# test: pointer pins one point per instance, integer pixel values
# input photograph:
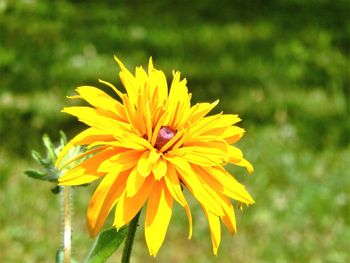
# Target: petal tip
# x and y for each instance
(121, 65)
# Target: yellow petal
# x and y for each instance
(112, 87)
(232, 134)
(87, 136)
(82, 155)
(205, 156)
(135, 182)
(227, 120)
(161, 122)
(212, 188)
(101, 100)
(105, 196)
(209, 144)
(190, 178)
(98, 119)
(78, 178)
(128, 207)
(178, 89)
(141, 76)
(159, 169)
(157, 80)
(120, 162)
(145, 163)
(129, 81)
(200, 110)
(87, 171)
(179, 119)
(246, 164)
(130, 111)
(140, 115)
(130, 140)
(148, 119)
(229, 219)
(174, 187)
(219, 178)
(202, 125)
(215, 230)
(178, 103)
(215, 125)
(235, 154)
(158, 214)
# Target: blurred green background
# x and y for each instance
(283, 66)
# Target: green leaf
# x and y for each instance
(49, 146)
(63, 138)
(51, 175)
(106, 244)
(44, 162)
(35, 174)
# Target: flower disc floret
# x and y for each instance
(165, 134)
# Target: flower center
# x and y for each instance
(165, 134)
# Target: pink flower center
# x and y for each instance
(165, 134)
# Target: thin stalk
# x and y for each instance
(67, 230)
(130, 239)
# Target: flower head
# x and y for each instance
(147, 147)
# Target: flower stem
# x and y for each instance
(67, 231)
(130, 239)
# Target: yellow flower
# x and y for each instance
(147, 147)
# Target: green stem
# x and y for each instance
(130, 239)
(67, 231)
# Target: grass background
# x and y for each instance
(283, 66)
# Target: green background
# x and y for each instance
(283, 66)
